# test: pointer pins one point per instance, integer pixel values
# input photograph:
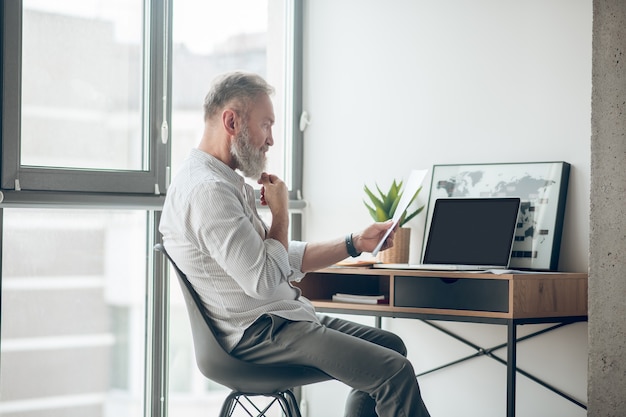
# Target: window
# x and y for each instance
(79, 112)
(88, 87)
(82, 113)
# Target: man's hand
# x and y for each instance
(274, 194)
(367, 240)
(321, 255)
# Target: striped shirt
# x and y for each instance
(212, 230)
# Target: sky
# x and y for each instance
(199, 24)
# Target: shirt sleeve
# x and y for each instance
(219, 221)
(296, 253)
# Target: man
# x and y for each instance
(242, 269)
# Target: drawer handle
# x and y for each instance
(449, 280)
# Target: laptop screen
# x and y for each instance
(472, 231)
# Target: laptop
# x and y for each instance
(468, 234)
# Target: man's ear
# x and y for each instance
(229, 121)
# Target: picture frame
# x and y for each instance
(542, 188)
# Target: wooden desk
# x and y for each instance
(509, 299)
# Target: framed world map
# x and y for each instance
(542, 187)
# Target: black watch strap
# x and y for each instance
(350, 246)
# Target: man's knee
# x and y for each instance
(400, 378)
(396, 343)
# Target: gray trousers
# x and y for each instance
(370, 360)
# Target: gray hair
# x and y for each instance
(237, 88)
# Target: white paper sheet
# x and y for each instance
(411, 185)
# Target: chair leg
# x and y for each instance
(286, 400)
(294, 408)
(229, 404)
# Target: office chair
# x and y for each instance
(245, 379)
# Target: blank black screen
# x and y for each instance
(472, 231)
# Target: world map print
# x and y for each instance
(539, 186)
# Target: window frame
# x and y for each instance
(297, 145)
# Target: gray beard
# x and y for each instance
(250, 161)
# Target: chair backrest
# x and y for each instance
(218, 365)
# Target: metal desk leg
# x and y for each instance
(511, 367)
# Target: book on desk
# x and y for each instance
(360, 299)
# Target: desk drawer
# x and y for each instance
(454, 294)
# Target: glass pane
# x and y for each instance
(73, 313)
(208, 42)
(82, 84)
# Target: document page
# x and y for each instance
(411, 185)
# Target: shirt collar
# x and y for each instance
(217, 165)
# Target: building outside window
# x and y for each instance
(73, 312)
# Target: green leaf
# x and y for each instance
(410, 216)
(375, 200)
(383, 206)
(371, 210)
(377, 210)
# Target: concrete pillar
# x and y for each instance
(607, 254)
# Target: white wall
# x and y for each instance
(396, 85)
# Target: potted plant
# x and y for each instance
(382, 207)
